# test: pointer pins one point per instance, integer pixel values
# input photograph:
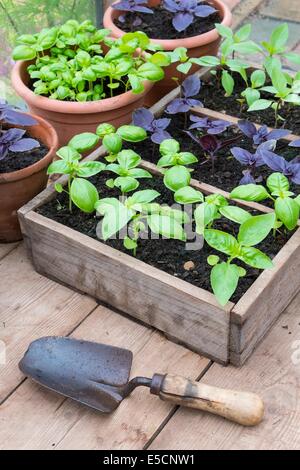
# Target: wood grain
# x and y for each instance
(273, 372)
(32, 306)
(34, 418)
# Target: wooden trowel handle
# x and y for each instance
(243, 408)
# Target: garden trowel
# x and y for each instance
(97, 375)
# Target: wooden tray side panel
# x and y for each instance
(256, 312)
(130, 286)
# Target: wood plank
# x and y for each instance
(34, 418)
(32, 306)
(6, 248)
(195, 318)
(272, 372)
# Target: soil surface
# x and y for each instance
(228, 171)
(159, 25)
(212, 96)
(168, 255)
(15, 161)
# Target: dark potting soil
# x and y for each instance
(212, 96)
(167, 255)
(15, 161)
(159, 25)
(228, 171)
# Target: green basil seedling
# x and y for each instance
(127, 171)
(225, 275)
(138, 211)
(80, 191)
(209, 211)
(112, 139)
(286, 207)
(77, 62)
(177, 176)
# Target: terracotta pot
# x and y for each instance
(19, 187)
(71, 118)
(198, 46)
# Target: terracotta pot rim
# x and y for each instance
(66, 107)
(14, 176)
(171, 44)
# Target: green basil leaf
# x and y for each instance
(287, 210)
(251, 96)
(243, 33)
(116, 216)
(24, 52)
(256, 229)
(132, 133)
(258, 78)
(207, 61)
(84, 195)
(88, 169)
(83, 142)
(126, 184)
(224, 280)
(142, 197)
(177, 214)
(227, 82)
(112, 143)
(60, 167)
(188, 195)
(167, 160)
(166, 226)
(278, 182)
(105, 129)
(139, 173)
(217, 199)
(221, 241)
(247, 47)
(128, 159)
(177, 177)
(186, 158)
(260, 105)
(279, 37)
(136, 84)
(184, 68)
(130, 244)
(250, 192)
(68, 154)
(213, 260)
(150, 71)
(204, 215)
(236, 214)
(169, 147)
(255, 258)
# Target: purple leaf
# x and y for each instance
(177, 106)
(191, 86)
(11, 136)
(247, 178)
(295, 143)
(159, 136)
(295, 160)
(274, 161)
(132, 6)
(209, 143)
(24, 145)
(143, 118)
(162, 123)
(182, 21)
(241, 155)
(204, 10)
(248, 128)
(171, 6)
(294, 171)
(277, 134)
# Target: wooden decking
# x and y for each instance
(32, 306)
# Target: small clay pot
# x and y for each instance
(72, 118)
(198, 46)
(19, 187)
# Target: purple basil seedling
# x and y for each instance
(156, 127)
(295, 143)
(262, 134)
(211, 145)
(12, 139)
(190, 87)
(250, 160)
(210, 127)
(186, 11)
